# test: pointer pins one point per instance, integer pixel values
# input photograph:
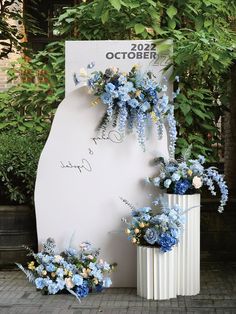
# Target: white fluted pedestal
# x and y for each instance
(156, 273)
(188, 248)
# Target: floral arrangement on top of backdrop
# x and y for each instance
(161, 227)
(187, 176)
(134, 100)
(78, 272)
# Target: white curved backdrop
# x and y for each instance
(81, 177)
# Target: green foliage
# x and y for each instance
(204, 48)
(18, 163)
(26, 112)
(30, 104)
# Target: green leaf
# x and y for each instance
(105, 17)
(116, 4)
(207, 23)
(172, 24)
(158, 30)
(139, 28)
(189, 119)
(171, 11)
(185, 108)
(151, 2)
(198, 23)
(99, 8)
(199, 113)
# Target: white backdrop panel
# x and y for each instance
(80, 179)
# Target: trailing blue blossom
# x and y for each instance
(78, 272)
(138, 98)
(160, 228)
(187, 176)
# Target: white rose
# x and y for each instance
(57, 258)
(197, 182)
(69, 283)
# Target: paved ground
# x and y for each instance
(218, 295)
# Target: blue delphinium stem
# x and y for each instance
(122, 119)
(141, 118)
(172, 132)
(212, 176)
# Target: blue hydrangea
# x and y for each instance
(40, 283)
(60, 272)
(156, 181)
(50, 267)
(106, 98)
(60, 283)
(77, 280)
(133, 103)
(53, 288)
(110, 87)
(99, 287)
(83, 290)
(122, 80)
(145, 106)
(182, 186)
(39, 269)
(175, 176)
(46, 259)
(167, 183)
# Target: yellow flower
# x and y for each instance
(70, 274)
(190, 172)
(133, 240)
(137, 93)
(83, 72)
(136, 230)
(95, 102)
(95, 281)
(127, 231)
(31, 266)
(84, 273)
(141, 224)
(154, 117)
(136, 66)
(44, 272)
(53, 275)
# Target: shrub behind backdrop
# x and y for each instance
(204, 48)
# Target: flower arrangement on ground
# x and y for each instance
(77, 272)
(187, 176)
(134, 100)
(160, 227)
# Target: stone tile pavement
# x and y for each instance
(218, 295)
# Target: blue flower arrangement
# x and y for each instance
(134, 100)
(78, 272)
(160, 227)
(187, 176)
